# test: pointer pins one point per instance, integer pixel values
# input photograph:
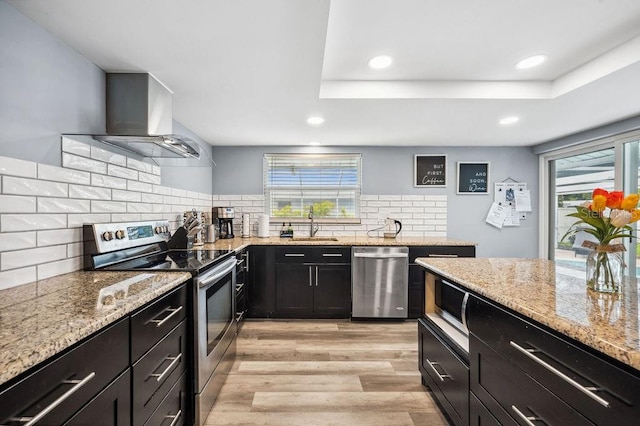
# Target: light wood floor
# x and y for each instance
(307, 372)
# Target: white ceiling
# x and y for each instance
(249, 72)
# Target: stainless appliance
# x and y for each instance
(223, 218)
(392, 228)
(379, 282)
(144, 246)
(446, 309)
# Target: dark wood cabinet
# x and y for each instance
(242, 283)
(313, 282)
(416, 272)
(261, 282)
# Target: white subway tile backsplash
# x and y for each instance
(108, 156)
(176, 192)
(155, 170)
(368, 198)
(48, 270)
(17, 277)
(149, 178)
(62, 205)
(413, 197)
(139, 208)
(151, 198)
(128, 217)
(17, 240)
(163, 190)
(139, 165)
(108, 181)
(82, 163)
(162, 208)
(77, 220)
(31, 222)
(191, 194)
(23, 186)
(122, 172)
(17, 204)
(60, 174)
(133, 185)
(59, 236)
(108, 206)
(74, 249)
(377, 203)
(170, 200)
(76, 147)
(29, 257)
(15, 167)
(89, 192)
(118, 195)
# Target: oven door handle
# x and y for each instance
(208, 279)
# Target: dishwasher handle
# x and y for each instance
(382, 255)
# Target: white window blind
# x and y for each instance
(329, 182)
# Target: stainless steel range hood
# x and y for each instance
(139, 118)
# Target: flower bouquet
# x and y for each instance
(607, 217)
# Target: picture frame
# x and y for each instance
(430, 170)
(472, 177)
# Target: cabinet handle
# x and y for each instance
(586, 390)
(239, 316)
(246, 266)
(442, 255)
(528, 420)
(175, 418)
(331, 254)
(239, 287)
(174, 360)
(239, 262)
(463, 310)
(173, 311)
(28, 421)
(316, 276)
(432, 364)
(294, 255)
(310, 279)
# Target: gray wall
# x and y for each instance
(389, 170)
(48, 89)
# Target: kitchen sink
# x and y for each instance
(314, 239)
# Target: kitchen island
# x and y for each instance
(535, 330)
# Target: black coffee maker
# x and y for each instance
(223, 219)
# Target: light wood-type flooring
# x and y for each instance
(305, 372)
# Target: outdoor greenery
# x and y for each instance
(320, 209)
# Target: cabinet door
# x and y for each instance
(332, 290)
(294, 290)
(112, 407)
(261, 288)
(416, 291)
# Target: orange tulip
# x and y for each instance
(630, 202)
(599, 203)
(635, 216)
(600, 191)
(614, 199)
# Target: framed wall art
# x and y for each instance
(473, 177)
(430, 170)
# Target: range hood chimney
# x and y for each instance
(139, 118)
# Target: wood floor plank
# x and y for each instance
(315, 367)
(311, 419)
(294, 383)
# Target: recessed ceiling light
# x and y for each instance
(315, 143)
(316, 120)
(509, 120)
(530, 62)
(380, 62)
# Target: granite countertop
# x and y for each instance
(240, 243)
(41, 319)
(555, 296)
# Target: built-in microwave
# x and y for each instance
(446, 308)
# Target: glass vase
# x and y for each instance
(605, 270)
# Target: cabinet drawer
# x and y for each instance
(153, 322)
(294, 254)
(330, 254)
(173, 408)
(70, 381)
(157, 372)
(496, 381)
(112, 406)
(599, 390)
(447, 375)
(441, 251)
(479, 414)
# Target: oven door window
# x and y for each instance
(219, 310)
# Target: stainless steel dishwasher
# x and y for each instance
(379, 282)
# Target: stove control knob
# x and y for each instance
(165, 229)
(159, 229)
(120, 234)
(107, 236)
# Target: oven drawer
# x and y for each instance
(156, 373)
(173, 408)
(153, 322)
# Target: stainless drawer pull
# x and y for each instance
(432, 365)
(331, 255)
(310, 279)
(174, 311)
(174, 360)
(28, 421)
(442, 255)
(316, 276)
(239, 287)
(586, 390)
(175, 418)
(527, 420)
(239, 262)
(240, 315)
(294, 255)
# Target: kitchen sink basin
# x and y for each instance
(314, 239)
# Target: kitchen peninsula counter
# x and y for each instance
(554, 296)
(41, 319)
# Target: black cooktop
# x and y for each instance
(192, 261)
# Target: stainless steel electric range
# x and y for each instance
(144, 246)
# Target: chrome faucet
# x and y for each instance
(312, 231)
